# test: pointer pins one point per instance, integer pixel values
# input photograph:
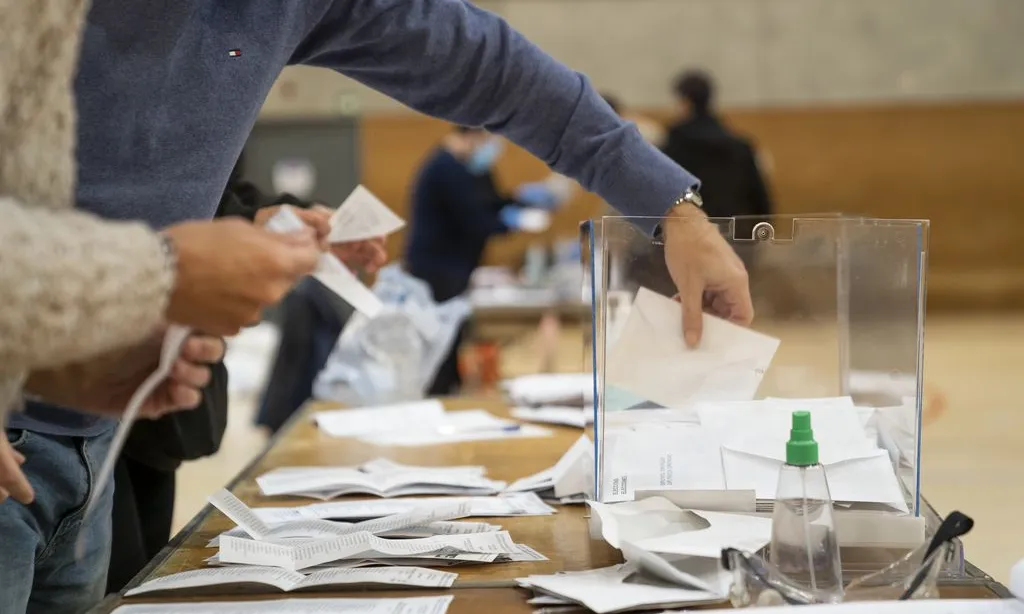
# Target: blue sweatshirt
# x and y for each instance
(454, 213)
(168, 91)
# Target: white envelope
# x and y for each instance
(650, 357)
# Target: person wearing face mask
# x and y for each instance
(456, 209)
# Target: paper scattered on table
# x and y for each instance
(455, 427)
(571, 477)
(383, 418)
(319, 529)
(651, 360)
(363, 216)
(332, 482)
(407, 605)
(552, 414)
(617, 589)
(572, 389)
(174, 339)
(663, 457)
(512, 504)
(330, 271)
(292, 581)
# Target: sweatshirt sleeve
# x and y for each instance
(73, 286)
(455, 61)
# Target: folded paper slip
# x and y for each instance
(288, 581)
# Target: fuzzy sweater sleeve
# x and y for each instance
(73, 285)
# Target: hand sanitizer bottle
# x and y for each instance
(804, 545)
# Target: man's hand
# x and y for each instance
(706, 270)
(229, 270)
(367, 256)
(13, 482)
(317, 217)
(105, 385)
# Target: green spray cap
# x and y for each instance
(801, 449)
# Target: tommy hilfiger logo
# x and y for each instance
(235, 53)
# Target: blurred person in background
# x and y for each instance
(653, 132)
(456, 209)
(731, 182)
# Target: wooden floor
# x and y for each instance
(973, 447)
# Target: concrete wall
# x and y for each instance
(763, 52)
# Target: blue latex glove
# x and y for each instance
(526, 220)
(510, 215)
(537, 194)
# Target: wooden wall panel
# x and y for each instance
(959, 166)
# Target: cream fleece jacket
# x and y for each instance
(71, 285)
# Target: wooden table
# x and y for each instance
(563, 538)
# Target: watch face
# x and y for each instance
(694, 197)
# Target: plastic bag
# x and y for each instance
(395, 355)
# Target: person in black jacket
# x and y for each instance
(456, 209)
(731, 183)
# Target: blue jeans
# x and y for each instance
(39, 572)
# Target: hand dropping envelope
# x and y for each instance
(330, 271)
(650, 357)
(362, 216)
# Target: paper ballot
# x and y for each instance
(615, 589)
(293, 581)
(513, 504)
(921, 606)
(573, 389)
(650, 358)
(174, 338)
(320, 529)
(249, 521)
(408, 605)
(330, 271)
(357, 422)
(553, 414)
(331, 482)
(363, 216)
(304, 554)
(572, 475)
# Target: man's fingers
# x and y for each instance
(184, 397)
(204, 349)
(691, 295)
(18, 456)
(318, 218)
(190, 374)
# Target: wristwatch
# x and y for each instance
(690, 197)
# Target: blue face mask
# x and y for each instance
(483, 157)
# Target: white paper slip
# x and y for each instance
(344, 481)
(551, 389)
(292, 581)
(572, 475)
(356, 422)
(747, 533)
(174, 339)
(650, 358)
(513, 504)
(408, 605)
(384, 465)
(606, 591)
(458, 426)
(305, 554)
(565, 416)
(330, 271)
(242, 515)
(363, 216)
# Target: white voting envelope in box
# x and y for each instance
(837, 323)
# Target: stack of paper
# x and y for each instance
(421, 423)
(569, 481)
(379, 478)
(408, 605)
(571, 389)
(301, 544)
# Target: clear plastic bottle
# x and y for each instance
(804, 544)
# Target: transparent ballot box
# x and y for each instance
(837, 330)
